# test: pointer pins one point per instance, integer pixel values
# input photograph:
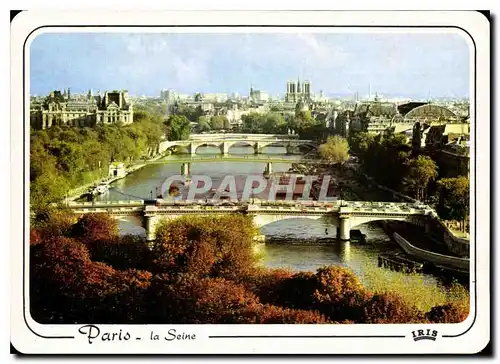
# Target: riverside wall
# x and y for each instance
(434, 226)
(435, 258)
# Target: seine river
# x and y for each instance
(362, 258)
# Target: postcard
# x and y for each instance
(250, 182)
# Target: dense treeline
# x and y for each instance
(273, 122)
(62, 158)
(391, 161)
(199, 270)
(302, 123)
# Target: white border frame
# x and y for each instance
(474, 339)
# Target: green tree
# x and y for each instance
(307, 127)
(360, 142)
(454, 199)
(178, 127)
(203, 125)
(252, 122)
(421, 171)
(335, 150)
(273, 123)
(218, 122)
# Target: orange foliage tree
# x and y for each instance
(339, 294)
(200, 270)
(92, 228)
(219, 246)
(455, 312)
(390, 308)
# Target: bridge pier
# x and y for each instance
(290, 149)
(150, 227)
(224, 148)
(343, 231)
(256, 148)
(268, 170)
(186, 169)
(192, 148)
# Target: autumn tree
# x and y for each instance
(390, 308)
(335, 150)
(92, 228)
(271, 314)
(454, 312)
(219, 246)
(421, 171)
(187, 299)
(339, 294)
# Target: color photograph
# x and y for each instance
(243, 177)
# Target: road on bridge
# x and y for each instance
(232, 158)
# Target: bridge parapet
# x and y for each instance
(107, 203)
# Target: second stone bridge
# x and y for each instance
(346, 216)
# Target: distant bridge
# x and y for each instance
(250, 158)
(242, 136)
(344, 217)
(257, 142)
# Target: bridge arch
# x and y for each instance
(265, 220)
(272, 144)
(356, 221)
(214, 144)
(181, 148)
(240, 143)
(302, 148)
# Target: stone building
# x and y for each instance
(258, 95)
(374, 117)
(295, 91)
(82, 110)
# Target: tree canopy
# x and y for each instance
(453, 198)
(66, 157)
(178, 127)
(335, 150)
(421, 171)
(200, 270)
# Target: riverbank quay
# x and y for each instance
(456, 241)
(424, 247)
(81, 191)
(437, 238)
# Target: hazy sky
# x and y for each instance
(408, 65)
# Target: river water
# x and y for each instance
(362, 258)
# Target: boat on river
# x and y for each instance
(400, 262)
(99, 189)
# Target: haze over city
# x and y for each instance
(396, 65)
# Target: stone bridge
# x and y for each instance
(242, 136)
(345, 217)
(258, 144)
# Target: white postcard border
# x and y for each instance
(31, 337)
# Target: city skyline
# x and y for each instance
(405, 65)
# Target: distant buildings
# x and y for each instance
(296, 91)
(383, 117)
(82, 110)
(258, 95)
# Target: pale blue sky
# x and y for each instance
(408, 65)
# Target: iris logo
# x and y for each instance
(424, 335)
